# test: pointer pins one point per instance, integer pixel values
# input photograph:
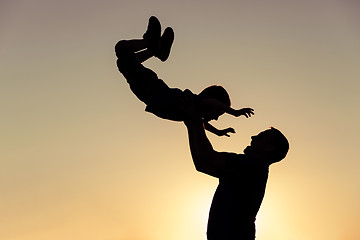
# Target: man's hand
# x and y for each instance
(247, 112)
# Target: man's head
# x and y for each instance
(270, 145)
(217, 93)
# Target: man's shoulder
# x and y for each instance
(235, 160)
(231, 155)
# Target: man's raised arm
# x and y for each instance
(205, 158)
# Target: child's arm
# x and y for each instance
(214, 130)
(247, 112)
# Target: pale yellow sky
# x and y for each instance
(81, 159)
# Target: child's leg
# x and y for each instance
(144, 55)
(131, 53)
(133, 45)
(139, 47)
(142, 48)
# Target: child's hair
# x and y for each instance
(216, 92)
(281, 145)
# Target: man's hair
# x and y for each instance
(281, 144)
(216, 92)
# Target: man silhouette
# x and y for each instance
(242, 177)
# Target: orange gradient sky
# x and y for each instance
(81, 159)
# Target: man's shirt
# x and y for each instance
(237, 199)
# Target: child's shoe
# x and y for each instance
(153, 32)
(166, 42)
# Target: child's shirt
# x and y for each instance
(166, 103)
(160, 99)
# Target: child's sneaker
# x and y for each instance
(166, 42)
(153, 33)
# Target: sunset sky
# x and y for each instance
(81, 159)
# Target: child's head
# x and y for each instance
(218, 93)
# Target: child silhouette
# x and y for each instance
(160, 99)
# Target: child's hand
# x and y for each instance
(247, 112)
(226, 131)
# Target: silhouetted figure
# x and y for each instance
(242, 177)
(161, 100)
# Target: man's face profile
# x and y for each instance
(259, 144)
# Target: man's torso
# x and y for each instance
(237, 199)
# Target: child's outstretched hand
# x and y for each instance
(226, 131)
(247, 112)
